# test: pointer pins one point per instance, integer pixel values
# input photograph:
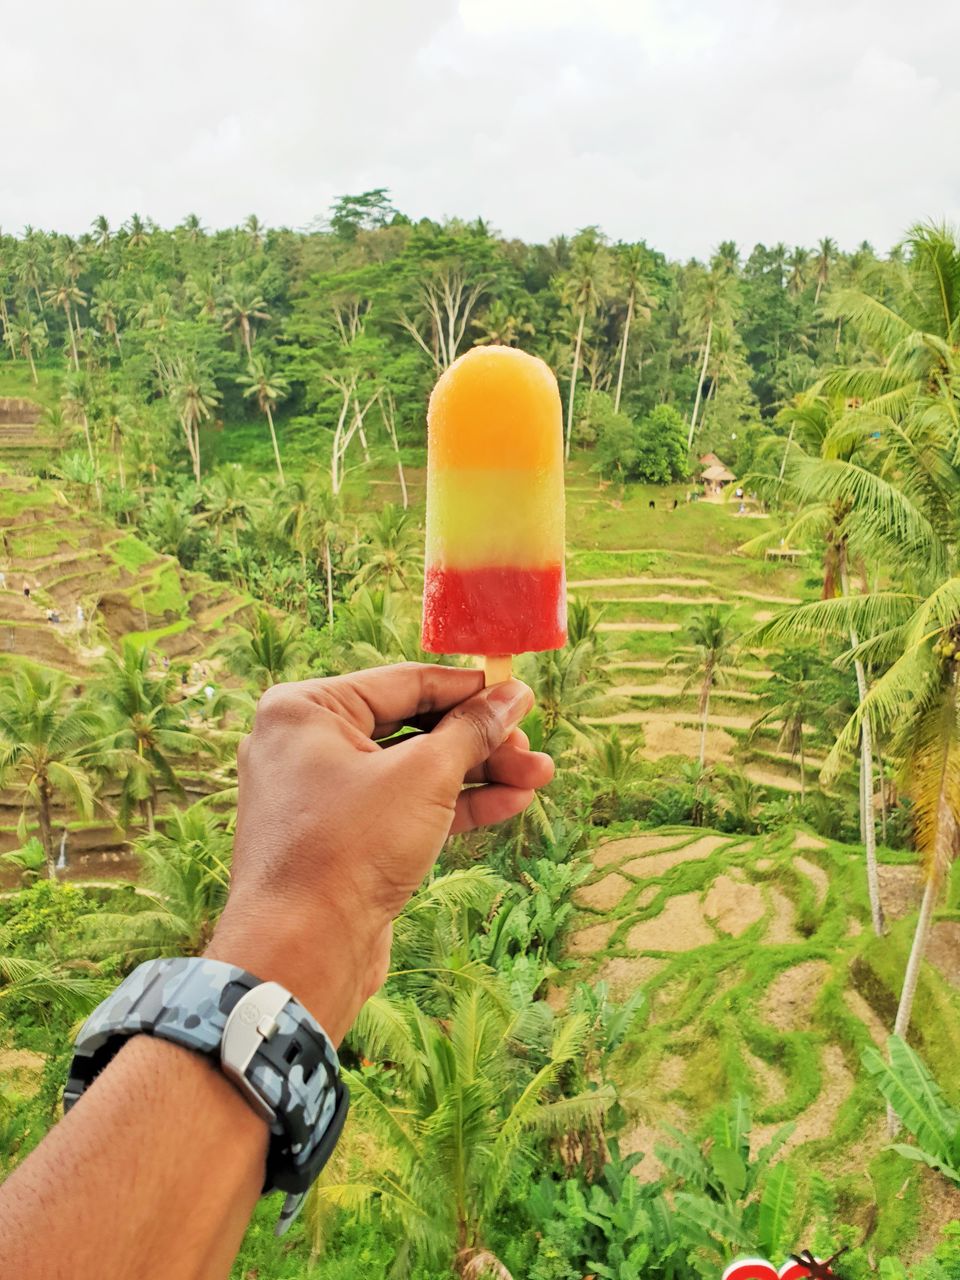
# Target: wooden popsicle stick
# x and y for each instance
(496, 668)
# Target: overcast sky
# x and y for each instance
(683, 122)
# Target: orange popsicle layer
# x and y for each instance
(495, 521)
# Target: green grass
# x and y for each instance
(131, 553)
(165, 594)
(17, 382)
(149, 639)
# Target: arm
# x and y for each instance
(156, 1171)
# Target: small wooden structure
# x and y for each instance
(716, 478)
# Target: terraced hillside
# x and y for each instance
(70, 558)
(761, 976)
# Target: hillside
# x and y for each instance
(761, 976)
(69, 557)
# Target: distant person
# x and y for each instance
(157, 1167)
(3, 581)
(79, 615)
(26, 590)
(676, 503)
(653, 505)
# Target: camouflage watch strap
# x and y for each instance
(288, 1070)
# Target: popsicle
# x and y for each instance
(494, 573)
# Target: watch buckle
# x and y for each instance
(252, 1021)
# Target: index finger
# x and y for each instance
(384, 699)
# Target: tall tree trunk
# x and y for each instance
(836, 343)
(703, 374)
(391, 425)
(786, 453)
(245, 333)
(335, 459)
(7, 329)
(33, 367)
(73, 341)
(883, 797)
(273, 437)
(573, 380)
(623, 351)
(705, 718)
(46, 829)
(866, 763)
(803, 769)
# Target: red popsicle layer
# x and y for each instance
(497, 610)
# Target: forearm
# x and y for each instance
(170, 1159)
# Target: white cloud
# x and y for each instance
(684, 123)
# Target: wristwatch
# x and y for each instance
(266, 1043)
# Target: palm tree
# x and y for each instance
(46, 986)
(74, 400)
(254, 229)
(266, 654)
(709, 629)
(502, 324)
(48, 744)
(137, 232)
(470, 1096)
(185, 875)
(194, 395)
(633, 269)
(798, 264)
(30, 336)
(227, 502)
(709, 307)
(146, 730)
(67, 296)
(312, 517)
(240, 307)
(826, 256)
(106, 309)
(101, 231)
(583, 288)
(268, 389)
(389, 548)
(570, 685)
(797, 695)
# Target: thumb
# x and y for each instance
(472, 731)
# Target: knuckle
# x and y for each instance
(279, 705)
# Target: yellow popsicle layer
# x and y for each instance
(494, 517)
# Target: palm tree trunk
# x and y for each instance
(623, 352)
(73, 341)
(33, 367)
(786, 452)
(803, 770)
(335, 476)
(245, 332)
(46, 829)
(273, 437)
(883, 797)
(7, 331)
(703, 374)
(705, 699)
(868, 819)
(573, 380)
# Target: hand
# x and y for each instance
(335, 831)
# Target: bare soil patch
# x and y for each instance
(733, 905)
(803, 840)
(640, 582)
(616, 850)
(772, 1081)
(816, 875)
(657, 864)
(819, 1118)
(767, 599)
(663, 737)
(901, 889)
(624, 974)
(638, 626)
(866, 1013)
(943, 949)
(680, 926)
(766, 777)
(782, 927)
(593, 939)
(792, 994)
(604, 894)
(940, 1204)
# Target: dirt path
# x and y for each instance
(642, 581)
(638, 626)
(770, 778)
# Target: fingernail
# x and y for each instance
(510, 702)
